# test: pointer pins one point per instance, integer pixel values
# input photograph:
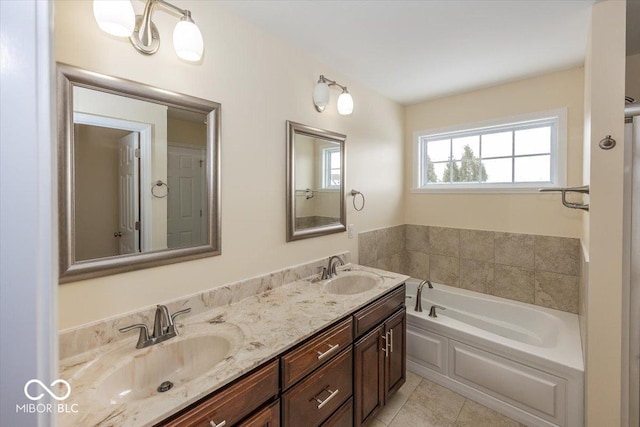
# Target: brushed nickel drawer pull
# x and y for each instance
(222, 424)
(391, 340)
(385, 337)
(326, 353)
(332, 394)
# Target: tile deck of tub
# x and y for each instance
(423, 403)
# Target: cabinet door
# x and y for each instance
(268, 417)
(369, 366)
(396, 367)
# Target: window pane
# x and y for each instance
(438, 169)
(498, 170)
(439, 150)
(469, 145)
(335, 160)
(496, 144)
(533, 169)
(533, 141)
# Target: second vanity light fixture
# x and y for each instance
(116, 17)
(321, 96)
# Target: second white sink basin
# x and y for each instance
(352, 282)
(166, 365)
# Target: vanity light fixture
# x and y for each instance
(321, 96)
(116, 17)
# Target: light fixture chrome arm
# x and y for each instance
(330, 83)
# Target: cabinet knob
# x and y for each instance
(332, 394)
(332, 348)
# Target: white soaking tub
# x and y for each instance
(522, 360)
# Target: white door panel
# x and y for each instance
(128, 194)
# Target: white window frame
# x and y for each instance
(558, 154)
(326, 168)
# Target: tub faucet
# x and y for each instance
(330, 271)
(432, 310)
(419, 294)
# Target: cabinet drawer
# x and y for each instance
(316, 397)
(343, 417)
(268, 417)
(297, 363)
(234, 403)
(375, 313)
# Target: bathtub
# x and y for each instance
(519, 359)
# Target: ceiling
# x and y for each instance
(411, 51)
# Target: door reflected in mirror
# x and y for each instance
(140, 178)
(139, 169)
(315, 182)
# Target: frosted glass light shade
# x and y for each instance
(187, 41)
(321, 96)
(345, 104)
(115, 17)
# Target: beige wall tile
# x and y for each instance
(444, 269)
(417, 265)
(477, 245)
(389, 241)
(367, 248)
(558, 291)
(444, 241)
(557, 255)
(516, 250)
(514, 283)
(417, 238)
(476, 275)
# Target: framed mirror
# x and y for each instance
(138, 175)
(315, 182)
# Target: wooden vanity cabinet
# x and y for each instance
(379, 357)
(326, 381)
(229, 406)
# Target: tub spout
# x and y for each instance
(419, 294)
(432, 310)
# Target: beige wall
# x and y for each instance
(604, 115)
(632, 86)
(119, 107)
(96, 173)
(521, 213)
(186, 132)
(260, 82)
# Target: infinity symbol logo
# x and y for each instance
(51, 393)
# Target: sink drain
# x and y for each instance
(165, 386)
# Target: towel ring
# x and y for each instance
(354, 193)
(159, 183)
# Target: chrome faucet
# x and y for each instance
(419, 294)
(432, 310)
(330, 270)
(163, 327)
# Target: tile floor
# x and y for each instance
(423, 403)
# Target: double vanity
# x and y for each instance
(307, 353)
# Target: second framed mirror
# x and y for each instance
(315, 182)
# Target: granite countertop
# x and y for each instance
(259, 328)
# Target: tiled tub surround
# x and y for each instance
(540, 270)
(268, 323)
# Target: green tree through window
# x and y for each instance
(471, 168)
(431, 172)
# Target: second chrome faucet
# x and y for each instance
(163, 327)
(330, 271)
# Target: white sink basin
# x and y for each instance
(352, 282)
(177, 361)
